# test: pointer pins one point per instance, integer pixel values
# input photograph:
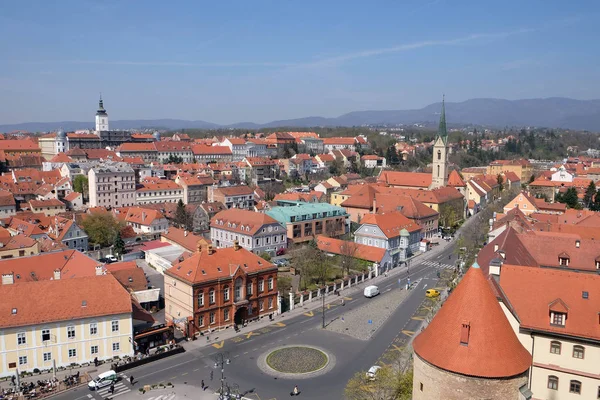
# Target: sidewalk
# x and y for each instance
(228, 333)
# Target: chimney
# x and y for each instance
(374, 206)
(56, 274)
(495, 266)
(99, 270)
(464, 333)
(199, 246)
(236, 245)
(210, 249)
(185, 233)
(577, 243)
(8, 279)
(143, 215)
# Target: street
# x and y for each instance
(351, 355)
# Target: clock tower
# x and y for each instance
(101, 117)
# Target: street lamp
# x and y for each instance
(222, 359)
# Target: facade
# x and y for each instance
(146, 151)
(181, 150)
(555, 316)
(232, 196)
(469, 350)
(67, 232)
(146, 221)
(522, 168)
(49, 207)
(262, 169)
(81, 327)
(339, 143)
(18, 246)
(391, 231)
(194, 187)
(163, 191)
(204, 153)
(8, 205)
(524, 202)
(218, 288)
(255, 232)
(373, 161)
(111, 185)
(305, 221)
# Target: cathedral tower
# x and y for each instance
(101, 117)
(439, 172)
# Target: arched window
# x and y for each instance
(555, 347)
(438, 171)
(439, 155)
(239, 283)
(553, 382)
(578, 352)
(575, 387)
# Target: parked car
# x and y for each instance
(371, 291)
(111, 259)
(104, 379)
(372, 372)
(432, 293)
(280, 252)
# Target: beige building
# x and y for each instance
(522, 168)
(72, 323)
(555, 316)
(163, 191)
(112, 185)
(49, 207)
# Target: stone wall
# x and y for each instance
(439, 384)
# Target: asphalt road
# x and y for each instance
(351, 355)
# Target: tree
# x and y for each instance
(389, 384)
(595, 206)
(447, 216)
(102, 228)
(80, 185)
(183, 219)
(500, 181)
(589, 194)
(569, 198)
(348, 259)
(119, 246)
(173, 159)
(265, 256)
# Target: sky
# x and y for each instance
(234, 61)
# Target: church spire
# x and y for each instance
(442, 131)
(101, 110)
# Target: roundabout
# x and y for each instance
(296, 361)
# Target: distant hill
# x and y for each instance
(554, 112)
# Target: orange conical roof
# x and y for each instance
(470, 334)
(455, 180)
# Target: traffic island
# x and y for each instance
(296, 362)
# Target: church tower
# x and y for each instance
(101, 117)
(439, 174)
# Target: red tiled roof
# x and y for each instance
(134, 160)
(361, 198)
(132, 278)
(221, 264)
(142, 216)
(46, 203)
(470, 335)
(531, 291)
(511, 176)
(311, 197)
(6, 198)
(408, 206)
(163, 184)
(455, 180)
(173, 146)
(410, 179)
(241, 190)
(355, 250)
(339, 141)
(62, 300)
(185, 239)
(203, 149)
(19, 145)
(242, 221)
(71, 263)
(142, 136)
(371, 157)
(325, 157)
(61, 157)
(136, 147)
(390, 223)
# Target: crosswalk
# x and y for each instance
(438, 265)
(169, 396)
(121, 387)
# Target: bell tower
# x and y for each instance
(439, 173)
(101, 117)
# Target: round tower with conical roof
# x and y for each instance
(469, 350)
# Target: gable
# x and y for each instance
(370, 230)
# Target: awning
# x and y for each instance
(145, 334)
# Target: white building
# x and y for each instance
(112, 185)
(146, 221)
(163, 191)
(561, 175)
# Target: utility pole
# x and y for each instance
(323, 298)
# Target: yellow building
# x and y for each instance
(18, 246)
(521, 167)
(69, 321)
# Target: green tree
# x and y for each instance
(569, 198)
(588, 197)
(183, 219)
(265, 256)
(119, 246)
(595, 206)
(80, 185)
(388, 385)
(102, 228)
(173, 159)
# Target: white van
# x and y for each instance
(371, 291)
(104, 379)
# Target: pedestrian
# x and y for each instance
(112, 388)
(131, 380)
(295, 392)
(96, 361)
(202, 384)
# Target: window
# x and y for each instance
(578, 352)
(575, 387)
(72, 353)
(94, 350)
(261, 285)
(226, 293)
(21, 339)
(71, 332)
(226, 314)
(553, 382)
(45, 335)
(558, 319)
(200, 299)
(22, 360)
(270, 283)
(47, 357)
(261, 305)
(115, 326)
(116, 346)
(93, 328)
(270, 303)
(211, 296)
(212, 317)
(249, 288)
(555, 347)
(421, 386)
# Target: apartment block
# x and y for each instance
(112, 185)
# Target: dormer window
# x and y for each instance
(558, 319)
(563, 259)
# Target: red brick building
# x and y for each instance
(217, 288)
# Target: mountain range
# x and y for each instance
(554, 112)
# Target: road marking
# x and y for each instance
(184, 374)
(309, 314)
(347, 298)
(218, 345)
(251, 334)
(237, 339)
(397, 348)
(408, 333)
(197, 369)
(279, 324)
(418, 318)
